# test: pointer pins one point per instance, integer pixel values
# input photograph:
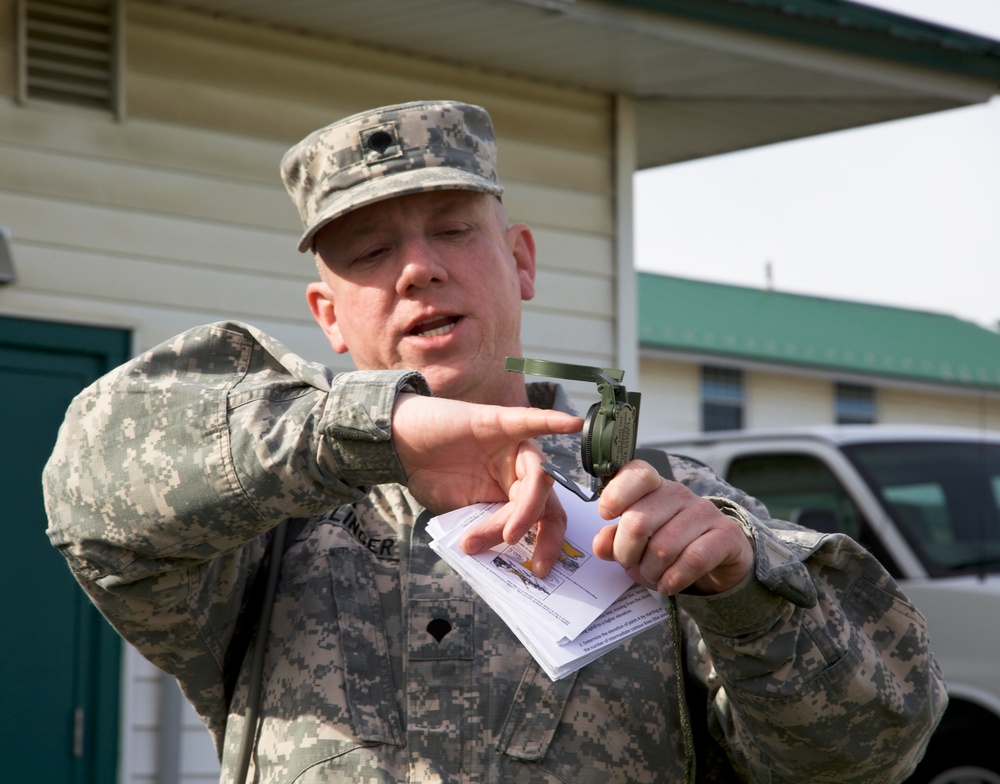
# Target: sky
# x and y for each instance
(905, 213)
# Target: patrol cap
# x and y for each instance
(387, 152)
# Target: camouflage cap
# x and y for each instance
(386, 152)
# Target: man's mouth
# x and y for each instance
(435, 327)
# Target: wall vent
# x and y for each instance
(70, 52)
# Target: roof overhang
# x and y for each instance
(705, 76)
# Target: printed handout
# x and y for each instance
(580, 610)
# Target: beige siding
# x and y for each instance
(929, 408)
(775, 399)
(670, 399)
(141, 740)
(315, 79)
(778, 400)
(139, 737)
(175, 215)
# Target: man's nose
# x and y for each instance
(422, 267)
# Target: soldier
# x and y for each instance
(185, 479)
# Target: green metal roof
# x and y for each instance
(679, 314)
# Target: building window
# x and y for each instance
(854, 404)
(69, 52)
(721, 399)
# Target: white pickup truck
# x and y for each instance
(926, 502)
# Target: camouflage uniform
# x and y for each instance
(170, 474)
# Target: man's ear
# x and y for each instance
(320, 300)
(523, 248)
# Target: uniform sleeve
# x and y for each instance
(169, 473)
(817, 667)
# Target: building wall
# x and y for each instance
(670, 398)
(174, 215)
(671, 403)
(781, 400)
(932, 408)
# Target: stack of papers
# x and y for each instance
(580, 611)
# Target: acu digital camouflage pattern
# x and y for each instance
(391, 151)
(170, 474)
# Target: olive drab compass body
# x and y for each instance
(609, 429)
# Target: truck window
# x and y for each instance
(943, 496)
(802, 489)
(798, 488)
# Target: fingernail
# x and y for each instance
(474, 546)
(541, 567)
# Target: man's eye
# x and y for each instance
(453, 232)
(370, 256)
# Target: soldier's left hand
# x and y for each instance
(669, 539)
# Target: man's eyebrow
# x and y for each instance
(448, 206)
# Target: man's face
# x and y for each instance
(430, 282)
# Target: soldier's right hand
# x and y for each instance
(456, 453)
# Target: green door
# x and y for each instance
(59, 660)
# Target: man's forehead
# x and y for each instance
(432, 205)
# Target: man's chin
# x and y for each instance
(449, 383)
(467, 384)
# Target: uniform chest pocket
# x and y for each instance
(617, 719)
(367, 666)
(535, 714)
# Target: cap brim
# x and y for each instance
(392, 185)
